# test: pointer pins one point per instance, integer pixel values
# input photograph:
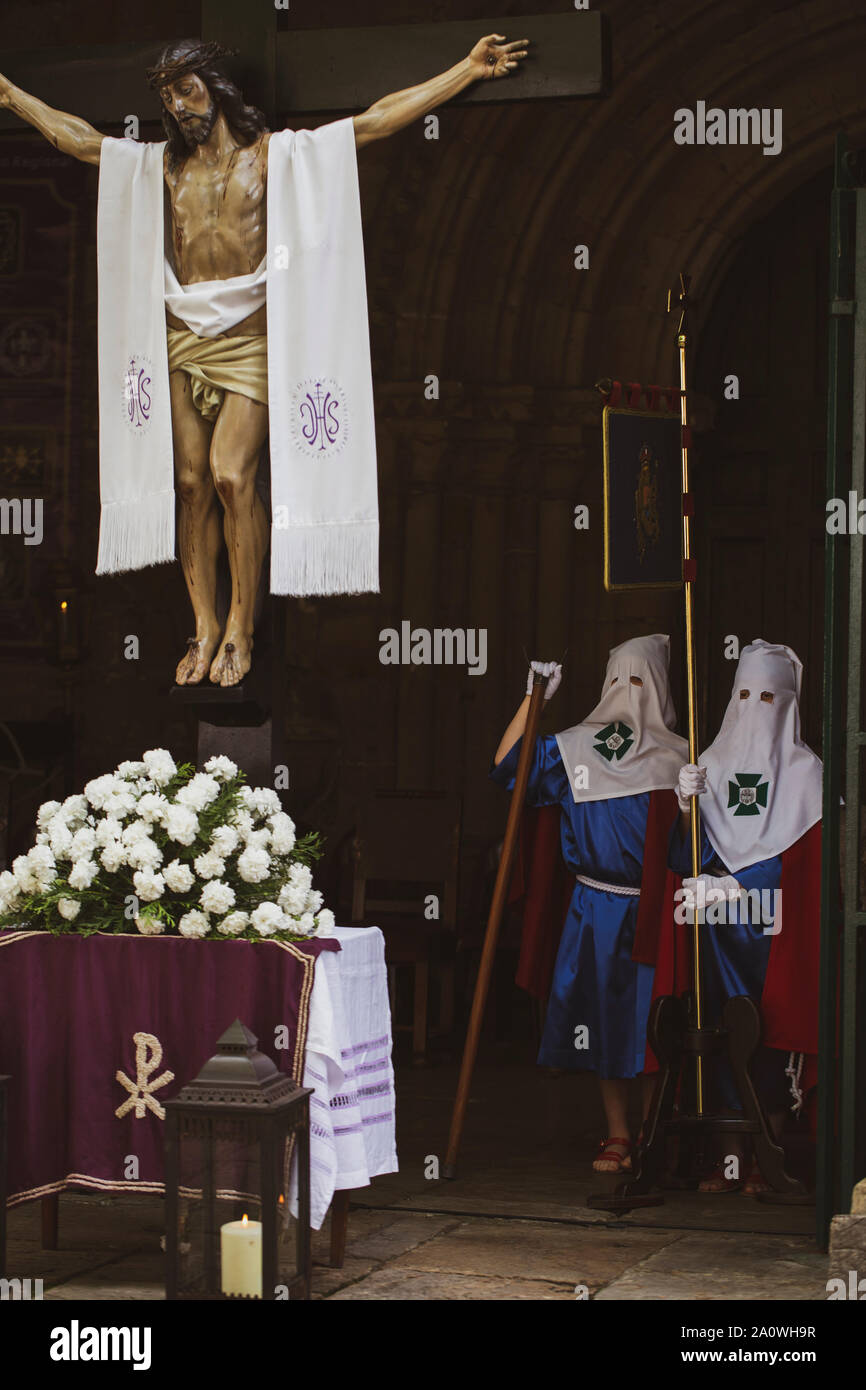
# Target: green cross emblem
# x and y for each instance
(614, 741)
(747, 793)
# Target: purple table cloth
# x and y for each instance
(98, 1032)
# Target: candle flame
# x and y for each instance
(63, 605)
(282, 1200)
(245, 1222)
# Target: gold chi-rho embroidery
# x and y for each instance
(141, 1089)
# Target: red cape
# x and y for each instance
(789, 1003)
(545, 886)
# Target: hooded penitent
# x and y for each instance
(627, 745)
(763, 782)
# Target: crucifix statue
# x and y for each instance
(215, 170)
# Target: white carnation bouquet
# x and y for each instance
(157, 847)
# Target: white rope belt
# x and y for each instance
(619, 888)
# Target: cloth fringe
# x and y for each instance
(137, 533)
(330, 558)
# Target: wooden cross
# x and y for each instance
(319, 70)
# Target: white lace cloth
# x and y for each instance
(348, 1065)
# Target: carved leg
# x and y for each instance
(742, 1022)
(240, 431)
(198, 527)
(50, 1221)
(339, 1227)
(668, 1021)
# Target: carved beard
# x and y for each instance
(198, 132)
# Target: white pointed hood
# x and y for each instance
(764, 785)
(627, 744)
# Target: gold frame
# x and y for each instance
(650, 415)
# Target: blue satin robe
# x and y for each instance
(734, 957)
(595, 982)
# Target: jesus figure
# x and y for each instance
(215, 168)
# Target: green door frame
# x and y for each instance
(840, 1157)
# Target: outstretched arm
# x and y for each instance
(67, 133)
(491, 57)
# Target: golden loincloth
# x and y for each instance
(217, 365)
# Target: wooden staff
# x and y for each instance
(682, 298)
(494, 920)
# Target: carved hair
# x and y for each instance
(191, 57)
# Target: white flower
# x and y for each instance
(264, 800)
(9, 891)
(74, 810)
(325, 922)
(83, 873)
(244, 822)
(268, 919)
(43, 865)
(254, 865)
(135, 831)
(144, 854)
(179, 877)
(68, 908)
(120, 803)
(222, 767)
(46, 813)
(259, 839)
(292, 900)
(301, 877)
(194, 923)
(83, 843)
(109, 828)
(152, 807)
(306, 924)
(148, 886)
(159, 765)
(112, 856)
(234, 924)
(217, 897)
(181, 824)
(314, 900)
(150, 926)
(199, 792)
(23, 873)
(282, 833)
(224, 840)
(130, 769)
(209, 865)
(101, 788)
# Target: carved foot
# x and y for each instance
(232, 661)
(192, 668)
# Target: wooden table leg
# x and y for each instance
(339, 1227)
(50, 1218)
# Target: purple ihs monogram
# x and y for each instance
(137, 394)
(320, 424)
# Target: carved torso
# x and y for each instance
(218, 220)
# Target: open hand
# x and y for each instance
(492, 57)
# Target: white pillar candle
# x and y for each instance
(241, 1257)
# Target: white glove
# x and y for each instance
(552, 670)
(700, 892)
(692, 781)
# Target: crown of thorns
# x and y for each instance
(163, 74)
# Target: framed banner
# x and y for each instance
(642, 499)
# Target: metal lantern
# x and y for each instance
(229, 1137)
